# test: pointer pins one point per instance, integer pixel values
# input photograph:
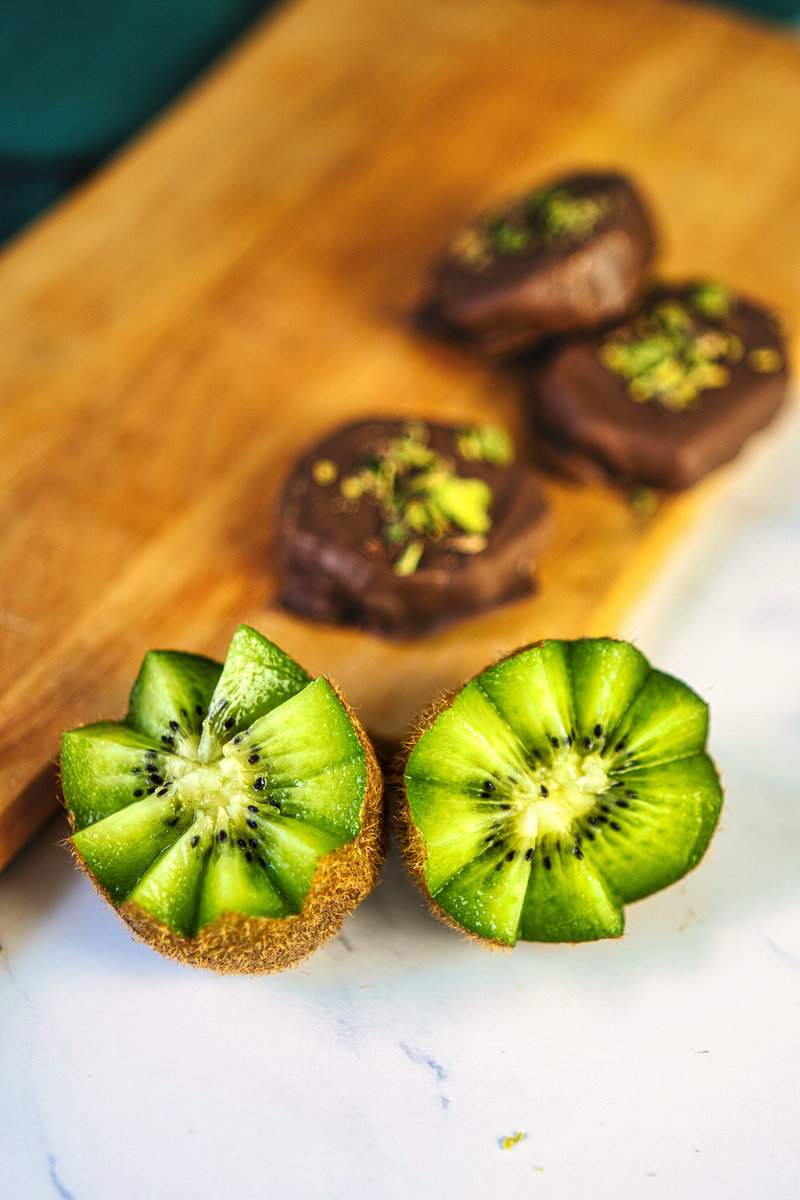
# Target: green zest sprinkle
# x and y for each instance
(666, 356)
(644, 501)
(421, 497)
(711, 300)
(542, 218)
(558, 214)
(488, 443)
(324, 472)
(764, 360)
(465, 502)
(507, 235)
(408, 561)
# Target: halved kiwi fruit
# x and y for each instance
(234, 817)
(558, 785)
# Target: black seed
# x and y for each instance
(228, 724)
(253, 758)
(555, 743)
(154, 778)
(578, 838)
(223, 835)
(484, 795)
(241, 843)
(167, 740)
(543, 791)
(174, 726)
(505, 807)
(252, 823)
(149, 754)
(529, 854)
(598, 731)
(499, 866)
(195, 840)
(617, 783)
(568, 740)
(604, 808)
(184, 713)
(603, 820)
(136, 771)
(252, 842)
(510, 855)
(590, 835)
(488, 786)
(615, 825)
(576, 850)
(511, 779)
(621, 745)
(489, 839)
(261, 863)
(150, 791)
(594, 820)
(276, 804)
(198, 708)
(248, 856)
(558, 847)
(174, 821)
(259, 784)
(252, 808)
(163, 791)
(631, 795)
(237, 739)
(547, 863)
(588, 743)
(622, 804)
(138, 792)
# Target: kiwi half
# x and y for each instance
(234, 817)
(558, 785)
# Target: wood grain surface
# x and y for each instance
(242, 279)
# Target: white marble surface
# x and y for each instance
(395, 1061)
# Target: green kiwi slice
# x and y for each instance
(234, 817)
(558, 785)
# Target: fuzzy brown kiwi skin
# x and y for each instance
(238, 944)
(412, 846)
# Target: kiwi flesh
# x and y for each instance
(234, 818)
(558, 785)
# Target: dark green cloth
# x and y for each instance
(770, 10)
(78, 77)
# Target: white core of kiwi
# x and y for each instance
(548, 801)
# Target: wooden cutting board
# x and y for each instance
(242, 279)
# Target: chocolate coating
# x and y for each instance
(338, 568)
(593, 430)
(568, 284)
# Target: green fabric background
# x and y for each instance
(78, 77)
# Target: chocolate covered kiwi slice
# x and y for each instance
(564, 782)
(234, 817)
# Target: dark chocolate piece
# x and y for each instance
(666, 396)
(565, 258)
(401, 527)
